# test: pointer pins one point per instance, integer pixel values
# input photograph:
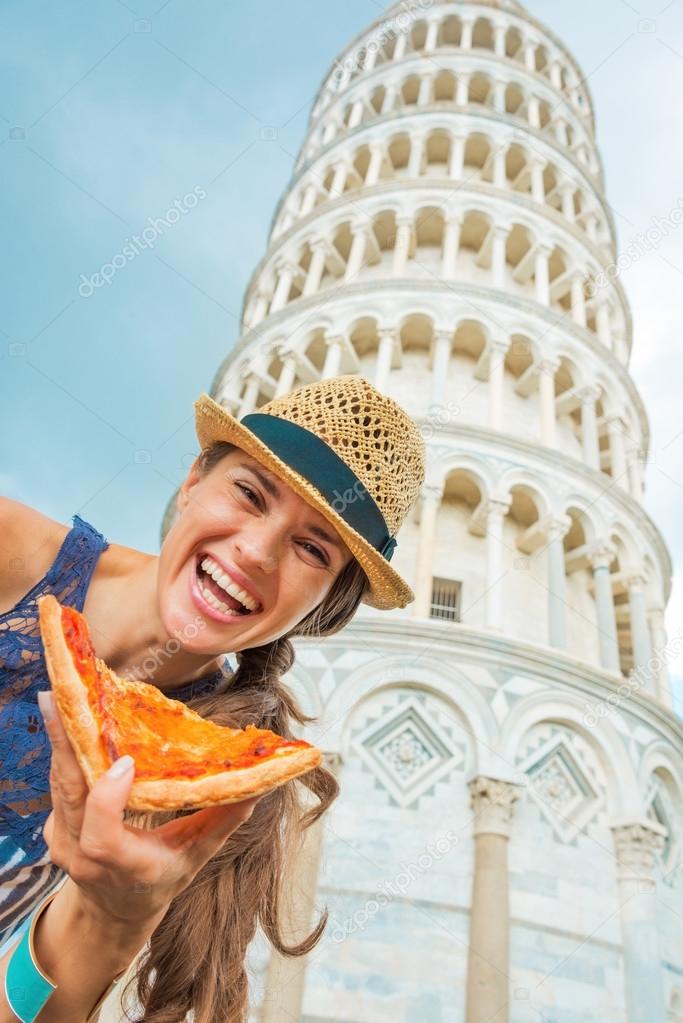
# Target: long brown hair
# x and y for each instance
(196, 956)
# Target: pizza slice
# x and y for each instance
(182, 760)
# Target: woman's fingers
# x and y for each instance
(69, 787)
(103, 835)
(202, 833)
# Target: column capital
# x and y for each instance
(541, 249)
(614, 420)
(556, 527)
(404, 219)
(499, 344)
(656, 613)
(549, 364)
(601, 553)
(637, 844)
(496, 506)
(333, 339)
(636, 580)
(443, 333)
(333, 761)
(588, 394)
(387, 332)
(318, 243)
(432, 492)
(358, 226)
(492, 800)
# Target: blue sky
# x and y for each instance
(111, 112)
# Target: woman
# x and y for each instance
(287, 521)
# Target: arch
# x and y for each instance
(448, 683)
(568, 709)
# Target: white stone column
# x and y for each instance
(637, 845)
(462, 90)
(561, 132)
(568, 209)
(658, 636)
(457, 160)
(600, 557)
(530, 54)
(537, 167)
(248, 400)
(602, 316)
(441, 356)
(385, 352)
(547, 368)
(640, 633)
(499, 91)
(416, 154)
(357, 252)
(534, 112)
(466, 35)
(488, 960)
(498, 254)
(287, 376)
(555, 73)
(430, 499)
(315, 267)
(496, 510)
(285, 979)
(499, 34)
(339, 180)
(390, 95)
(404, 231)
(578, 300)
(424, 95)
(370, 58)
(556, 528)
(284, 283)
(356, 114)
(400, 48)
(589, 427)
(431, 36)
(635, 472)
(375, 164)
(332, 357)
(498, 348)
(615, 432)
(308, 200)
(499, 158)
(451, 244)
(542, 273)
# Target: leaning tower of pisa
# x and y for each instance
(506, 846)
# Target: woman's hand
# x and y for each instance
(126, 874)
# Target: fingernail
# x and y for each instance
(121, 766)
(46, 703)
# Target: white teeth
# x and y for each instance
(215, 602)
(224, 581)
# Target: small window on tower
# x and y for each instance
(445, 599)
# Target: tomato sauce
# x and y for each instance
(165, 738)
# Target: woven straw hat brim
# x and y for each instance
(388, 589)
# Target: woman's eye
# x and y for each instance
(316, 552)
(248, 491)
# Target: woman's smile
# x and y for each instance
(216, 594)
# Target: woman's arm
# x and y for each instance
(121, 880)
(82, 951)
(29, 542)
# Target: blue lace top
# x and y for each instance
(26, 872)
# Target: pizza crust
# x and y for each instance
(71, 695)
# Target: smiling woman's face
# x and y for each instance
(242, 529)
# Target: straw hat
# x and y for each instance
(347, 449)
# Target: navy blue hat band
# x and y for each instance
(317, 462)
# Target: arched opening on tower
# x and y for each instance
(482, 34)
(450, 31)
(444, 87)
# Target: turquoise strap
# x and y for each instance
(26, 987)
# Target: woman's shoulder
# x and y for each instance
(29, 543)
